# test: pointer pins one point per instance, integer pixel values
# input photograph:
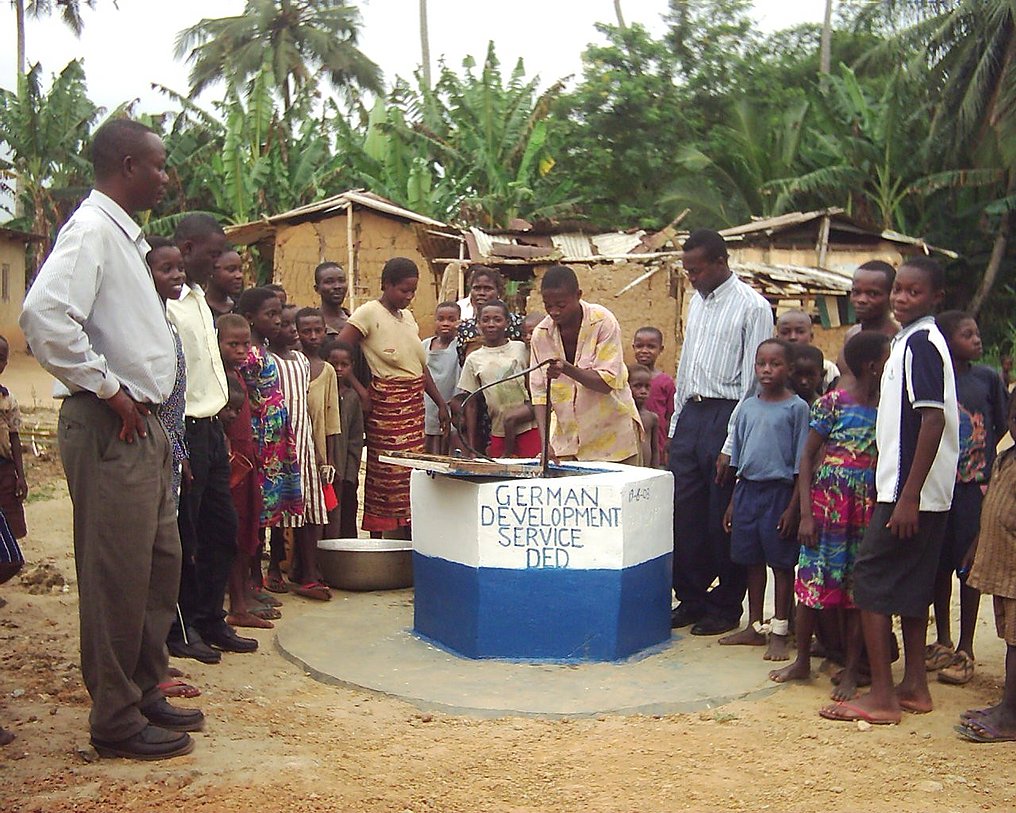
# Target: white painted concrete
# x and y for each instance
(601, 521)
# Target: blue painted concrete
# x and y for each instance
(542, 614)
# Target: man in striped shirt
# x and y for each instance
(727, 320)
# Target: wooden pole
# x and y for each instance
(354, 274)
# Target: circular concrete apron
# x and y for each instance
(366, 640)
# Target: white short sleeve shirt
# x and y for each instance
(918, 375)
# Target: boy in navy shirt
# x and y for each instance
(982, 400)
(917, 432)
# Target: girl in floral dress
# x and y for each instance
(276, 447)
(837, 490)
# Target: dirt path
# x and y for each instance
(278, 741)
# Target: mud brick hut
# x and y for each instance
(13, 281)
(814, 249)
(358, 230)
(798, 260)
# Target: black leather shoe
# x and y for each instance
(225, 638)
(195, 649)
(162, 714)
(151, 742)
(713, 626)
(682, 617)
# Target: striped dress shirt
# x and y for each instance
(724, 329)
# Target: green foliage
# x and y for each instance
(753, 153)
(860, 152)
(617, 134)
(44, 136)
(300, 39)
(475, 147)
(70, 11)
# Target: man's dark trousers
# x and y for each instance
(208, 526)
(701, 546)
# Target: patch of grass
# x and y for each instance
(44, 491)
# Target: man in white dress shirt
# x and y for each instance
(95, 321)
(727, 320)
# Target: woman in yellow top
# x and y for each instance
(594, 414)
(387, 333)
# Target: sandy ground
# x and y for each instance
(278, 741)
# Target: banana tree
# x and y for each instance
(43, 135)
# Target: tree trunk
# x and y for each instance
(825, 51)
(19, 16)
(424, 44)
(620, 16)
(997, 253)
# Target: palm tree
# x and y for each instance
(70, 12)
(757, 149)
(300, 38)
(825, 56)
(970, 48)
(424, 45)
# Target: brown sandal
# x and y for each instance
(937, 656)
(960, 671)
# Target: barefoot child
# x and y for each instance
(294, 374)
(795, 327)
(443, 362)
(224, 283)
(497, 359)
(278, 469)
(648, 345)
(322, 403)
(917, 432)
(244, 483)
(640, 381)
(768, 438)
(837, 493)
(342, 521)
(994, 572)
(982, 403)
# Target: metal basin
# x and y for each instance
(366, 564)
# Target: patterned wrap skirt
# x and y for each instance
(395, 424)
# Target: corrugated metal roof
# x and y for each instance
(573, 245)
(775, 224)
(17, 234)
(613, 243)
(839, 220)
(791, 281)
(569, 244)
(246, 233)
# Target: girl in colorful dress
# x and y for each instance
(275, 445)
(837, 492)
(390, 339)
(294, 373)
(245, 610)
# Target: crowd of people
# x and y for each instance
(205, 427)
